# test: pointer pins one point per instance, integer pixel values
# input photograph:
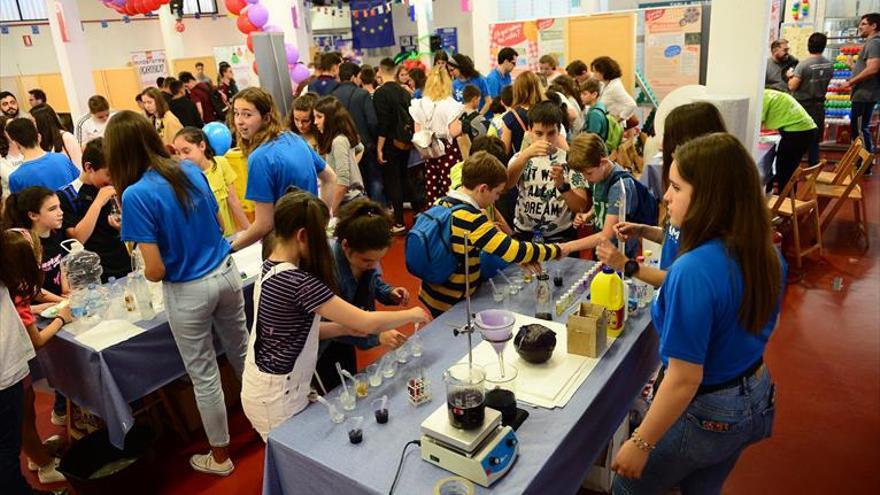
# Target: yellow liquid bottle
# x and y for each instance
(606, 290)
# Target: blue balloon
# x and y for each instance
(219, 137)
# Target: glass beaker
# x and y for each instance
(415, 345)
(374, 371)
(389, 365)
(347, 400)
(361, 385)
(403, 353)
(465, 395)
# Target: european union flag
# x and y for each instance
(371, 24)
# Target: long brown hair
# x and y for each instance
(161, 104)
(20, 204)
(132, 146)
(265, 105)
(20, 268)
(567, 87)
(337, 121)
(301, 210)
(527, 91)
(49, 126)
(728, 203)
(685, 123)
(303, 103)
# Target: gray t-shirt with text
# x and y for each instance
(815, 73)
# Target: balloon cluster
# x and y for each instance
(134, 7)
(254, 18)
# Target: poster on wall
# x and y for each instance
(241, 60)
(150, 64)
(531, 40)
(448, 39)
(672, 48)
(797, 36)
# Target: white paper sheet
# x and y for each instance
(249, 260)
(548, 385)
(108, 333)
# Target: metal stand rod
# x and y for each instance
(467, 294)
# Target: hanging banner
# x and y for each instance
(150, 65)
(241, 60)
(531, 40)
(672, 48)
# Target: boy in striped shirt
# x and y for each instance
(483, 179)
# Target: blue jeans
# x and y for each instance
(192, 307)
(860, 121)
(702, 446)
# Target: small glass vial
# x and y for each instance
(543, 303)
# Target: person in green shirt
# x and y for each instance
(781, 112)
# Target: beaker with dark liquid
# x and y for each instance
(465, 395)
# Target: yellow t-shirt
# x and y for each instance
(220, 177)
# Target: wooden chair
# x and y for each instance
(795, 205)
(835, 195)
(843, 171)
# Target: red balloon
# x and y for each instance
(250, 41)
(244, 25)
(255, 68)
(235, 6)
(180, 26)
(130, 8)
(140, 6)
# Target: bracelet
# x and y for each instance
(640, 442)
(63, 321)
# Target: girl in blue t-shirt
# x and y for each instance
(714, 314)
(295, 290)
(277, 160)
(462, 70)
(683, 124)
(169, 210)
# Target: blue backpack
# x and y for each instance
(646, 205)
(428, 248)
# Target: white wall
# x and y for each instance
(111, 47)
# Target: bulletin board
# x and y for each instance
(179, 65)
(613, 35)
(797, 35)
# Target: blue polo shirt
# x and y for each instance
(496, 82)
(696, 314)
(280, 163)
(190, 239)
(52, 171)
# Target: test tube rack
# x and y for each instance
(576, 290)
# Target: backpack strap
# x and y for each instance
(519, 119)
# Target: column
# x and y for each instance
(281, 14)
(738, 54)
(72, 54)
(171, 39)
(484, 13)
(424, 29)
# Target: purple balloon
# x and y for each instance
(119, 3)
(253, 1)
(292, 53)
(299, 73)
(258, 15)
(272, 28)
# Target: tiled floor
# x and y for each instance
(825, 357)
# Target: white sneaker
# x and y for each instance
(205, 463)
(58, 419)
(48, 474)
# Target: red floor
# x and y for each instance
(825, 358)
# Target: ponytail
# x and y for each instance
(365, 225)
(301, 210)
(18, 205)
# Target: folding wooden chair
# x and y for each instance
(793, 206)
(843, 171)
(835, 195)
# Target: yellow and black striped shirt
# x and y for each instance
(482, 236)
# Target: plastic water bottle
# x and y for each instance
(96, 301)
(83, 269)
(116, 300)
(137, 286)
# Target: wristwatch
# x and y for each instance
(564, 188)
(631, 267)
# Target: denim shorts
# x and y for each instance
(702, 446)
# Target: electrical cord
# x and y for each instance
(400, 463)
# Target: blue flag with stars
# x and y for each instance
(371, 24)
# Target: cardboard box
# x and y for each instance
(587, 330)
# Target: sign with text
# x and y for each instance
(672, 48)
(150, 65)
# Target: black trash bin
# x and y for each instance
(134, 472)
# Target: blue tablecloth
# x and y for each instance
(652, 176)
(105, 382)
(309, 454)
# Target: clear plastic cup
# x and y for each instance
(374, 372)
(361, 385)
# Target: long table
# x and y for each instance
(106, 382)
(309, 454)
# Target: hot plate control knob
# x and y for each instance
(494, 461)
(511, 442)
